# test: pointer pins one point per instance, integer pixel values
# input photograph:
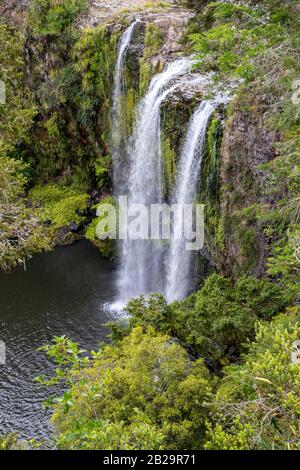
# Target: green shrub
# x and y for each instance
(103, 170)
(233, 38)
(216, 320)
(53, 17)
(61, 205)
(143, 393)
(284, 264)
(257, 404)
(153, 40)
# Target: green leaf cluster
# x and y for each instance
(60, 205)
(257, 405)
(54, 17)
(218, 319)
(145, 393)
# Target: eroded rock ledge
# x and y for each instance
(104, 12)
(171, 21)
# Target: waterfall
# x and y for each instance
(141, 260)
(147, 265)
(117, 110)
(179, 265)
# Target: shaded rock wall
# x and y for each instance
(14, 11)
(235, 239)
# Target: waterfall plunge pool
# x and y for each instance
(62, 292)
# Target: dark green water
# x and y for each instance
(63, 292)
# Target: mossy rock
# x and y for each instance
(175, 116)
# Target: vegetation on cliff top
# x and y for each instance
(20, 233)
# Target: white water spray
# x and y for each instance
(138, 173)
(142, 260)
(179, 264)
(119, 158)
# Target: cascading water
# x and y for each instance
(145, 265)
(141, 260)
(179, 265)
(118, 112)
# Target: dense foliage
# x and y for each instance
(257, 405)
(146, 393)
(70, 75)
(20, 234)
(53, 126)
(217, 320)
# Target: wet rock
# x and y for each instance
(247, 144)
(73, 227)
(95, 195)
(64, 236)
(189, 90)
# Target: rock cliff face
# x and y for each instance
(246, 145)
(171, 21)
(14, 11)
(104, 12)
(232, 186)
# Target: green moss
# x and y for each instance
(106, 247)
(213, 155)
(145, 76)
(220, 238)
(60, 205)
(153, 40)
(169, 158)
(209, 190)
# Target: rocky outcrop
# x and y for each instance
(104, 12)
(240, 245)
(14, 11)
(171, 21)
